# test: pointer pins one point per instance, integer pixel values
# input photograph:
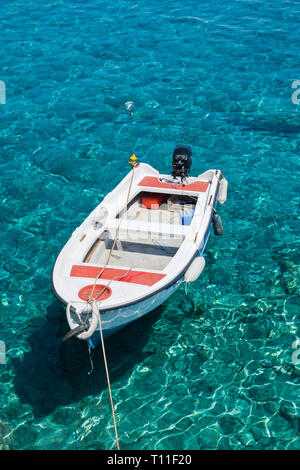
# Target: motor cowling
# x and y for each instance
(182, 160)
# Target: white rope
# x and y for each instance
(91, 297)
(93, 301)
(97, 313)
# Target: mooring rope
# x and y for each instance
(93, 300)
(134, 164)
(96, 310)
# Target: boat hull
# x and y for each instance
(117, 319)
(156, 249)
(114, 320)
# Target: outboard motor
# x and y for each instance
(182, 160)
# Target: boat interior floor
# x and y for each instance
(154, 254)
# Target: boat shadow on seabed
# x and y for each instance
(55, 373)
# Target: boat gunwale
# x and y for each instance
(171, 281)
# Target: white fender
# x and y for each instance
(92, 325)
(222, 197)
(195, 269)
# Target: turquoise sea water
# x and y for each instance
(211, 370)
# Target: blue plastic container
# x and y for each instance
(187, 216)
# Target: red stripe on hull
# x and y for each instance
(153, 182)
(135, 277)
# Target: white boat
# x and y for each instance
(137, 246)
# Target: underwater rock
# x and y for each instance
(295, 424)
(5, 429)
(180, 390)
(288, 410)
(187, 306)
(24, 436)
(184, 423)
(278, 426)
(3, 446)
(266, 376)
(247, 439)
(294, 445)
(201, 354)
(256, 433)
(292, 306)
(260, 393)
(224, 444)
(218, 408)
(290, 277)
(230, 424)
(254, 331)
(65, 415)
(208, 439)
(296, 371)
(234, 442)
(270, 407)
(202, 386)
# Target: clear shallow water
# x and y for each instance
(212, 370)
